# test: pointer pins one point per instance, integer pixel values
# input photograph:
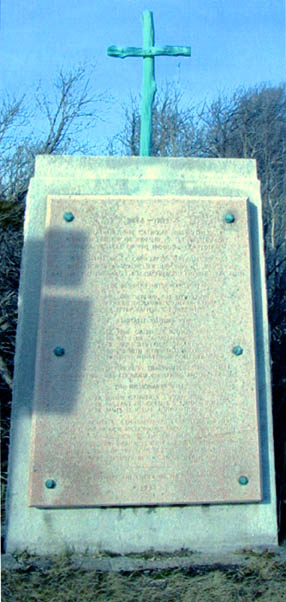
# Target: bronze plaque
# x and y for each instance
(145, 377)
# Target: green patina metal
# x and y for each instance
(237, 350)
(243, 480)
(229, 218)
(68, 216)
(59, 351)
(148, 52)
(50, 484)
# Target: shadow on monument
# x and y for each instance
(57, 322)
(260, 359)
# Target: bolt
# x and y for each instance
(68, 216)
(237, 350)
(50, 484)
(243, 480)
(58, 351)
(229, 218)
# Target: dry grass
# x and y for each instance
(263, 578)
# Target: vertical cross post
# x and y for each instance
(148, 88)
(148, 52)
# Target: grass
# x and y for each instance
(264, 579)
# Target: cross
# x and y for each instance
(148, 52)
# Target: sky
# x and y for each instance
(234, 43)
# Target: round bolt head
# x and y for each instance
(68, 216)
(50, 484)
(243, 480)
(229, 218)
(237, 350)
(58, 351)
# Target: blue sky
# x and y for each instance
(234, 43)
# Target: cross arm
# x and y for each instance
(123, 52)
(148, 53)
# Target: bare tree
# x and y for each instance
(174, 128)
(252, 124)
(63, 117)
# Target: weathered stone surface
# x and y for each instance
(149, 404)
(136, 528)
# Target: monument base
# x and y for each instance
(190, 464)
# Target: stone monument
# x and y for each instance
(142, 401)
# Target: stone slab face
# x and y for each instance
(147, 297)
(147, 421)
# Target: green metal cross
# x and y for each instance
(148, 52)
